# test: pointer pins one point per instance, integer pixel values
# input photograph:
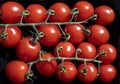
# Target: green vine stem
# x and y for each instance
(93, 17)
(37, 35)
(77, 52)
(30, 73)
(85, 69)
(58, 58)
(68, 58)
(42, 23)
(66, 36)
(49, 12)
(102, 52)
(58, 50)
(3, 34)
(74, 12)
(98, 69)
(24, 14)
(62, 66)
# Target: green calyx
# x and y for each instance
(4, 35)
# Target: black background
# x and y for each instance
(6, 54)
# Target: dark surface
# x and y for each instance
(7, 55)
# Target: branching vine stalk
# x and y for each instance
(40, 34)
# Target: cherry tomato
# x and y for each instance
(62, 12)
(86, 10)
(76, 33)
(68, 73)
(89, 75)
(27, 51)
(110, 55)
(105, 15)
(12, 37)
(51, 35)
(11, 12)
(47, 68)
(107, 73)
(98, 35)
(37, 13)
(16, 71)
(65, 49)
(87, 50)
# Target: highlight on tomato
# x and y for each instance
(16, 71)
(11, 12)
(66, 72)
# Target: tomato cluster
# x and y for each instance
(70, 43)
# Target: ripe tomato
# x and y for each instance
(37, 13)
(51, 35)
(88, 50)
(16, 71)
(66, 49)
(86, 10)
(11, 12)
(68, 74)
(98, 35)
(76, 33)
(13, 36)
(107, 73)
(62, 12)
(27, 51)
(87, 76)
(110, 55)
(47, 68)
(105, 15)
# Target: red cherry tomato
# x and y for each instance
(105, 15)
(14, 35)
(62, 13)
(37, 13)
(11, 12)
(98, 35)
(68, 74)
(88, 50)
(86, 10)
(47, 68)
(110, 55)
(16, 71)
(51, 35)
(66, 49)
(107, 73)
(27, 51)
(87, 76)
(76, 33)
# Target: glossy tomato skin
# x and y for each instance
(88, 50)
(47, 69)
(27, 51)
(90, 75)
(69, 74)
(99, 35)
(107, 73)
(11, 12)
(86, 10)
(110, 55)
(76, 33)
(62, 13)
(14, 35)
(67, 49)
(51, 35)
(105, 15)
(16, 71)
(37, 13)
